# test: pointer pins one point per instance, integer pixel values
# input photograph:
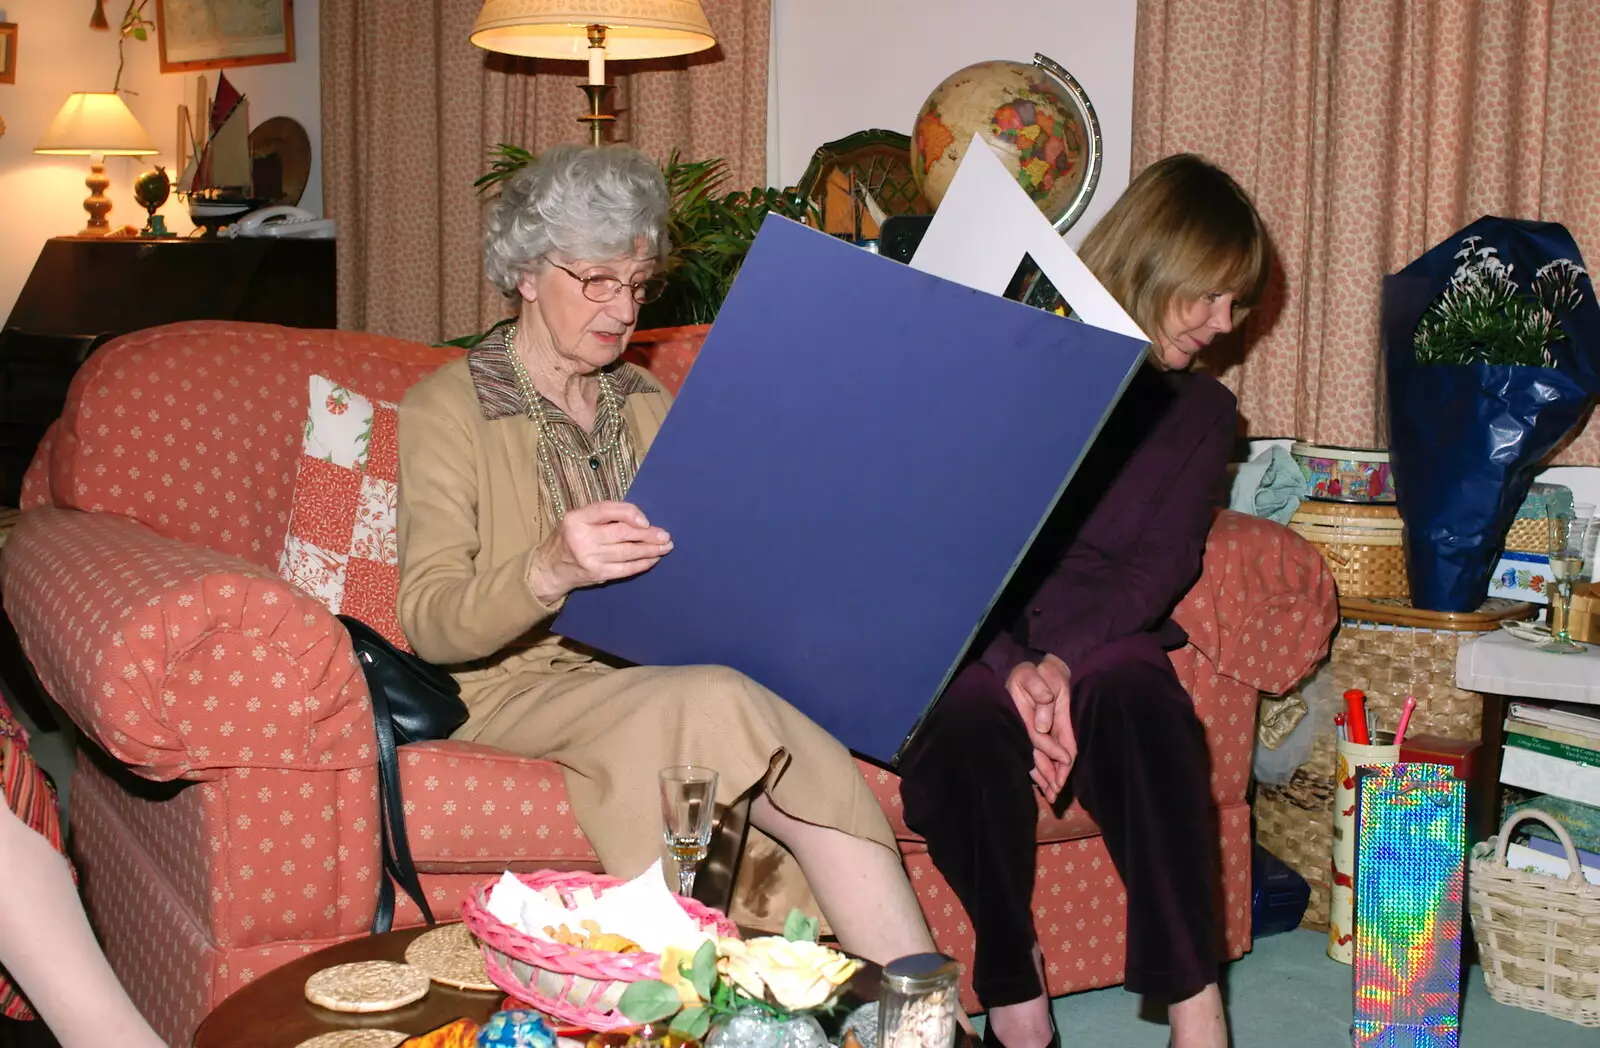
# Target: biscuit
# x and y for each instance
(354, 1039)
(450, 955)
(367, 986)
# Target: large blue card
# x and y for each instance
(856, 463)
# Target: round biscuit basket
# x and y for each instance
(577, 985)
(1538, 935)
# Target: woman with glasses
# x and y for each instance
(514, 470)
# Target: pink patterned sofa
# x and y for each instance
(234, 825)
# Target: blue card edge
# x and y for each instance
(961, 654)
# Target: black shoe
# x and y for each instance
(991, 1041)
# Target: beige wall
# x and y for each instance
(42, 196)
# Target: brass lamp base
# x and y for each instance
(97, 204)
(596, 118)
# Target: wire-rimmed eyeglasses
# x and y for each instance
(604, 287)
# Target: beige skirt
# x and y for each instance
(613, 730)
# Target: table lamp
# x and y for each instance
(96, 124)
(625, 29)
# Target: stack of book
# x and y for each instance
(1555, 750)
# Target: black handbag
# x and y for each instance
(412, 701)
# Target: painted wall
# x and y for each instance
(845, 65)
(42, 196)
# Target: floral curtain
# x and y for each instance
(410, 109)
(1368, 131)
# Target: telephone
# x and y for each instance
(282, 221)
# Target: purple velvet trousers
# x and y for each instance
(1142, 773)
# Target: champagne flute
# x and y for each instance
(688, 808)
(1567, 548)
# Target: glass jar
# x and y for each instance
(917, 1002)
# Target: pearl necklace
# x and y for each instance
(608, 435)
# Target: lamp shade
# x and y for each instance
(559, 28)
(95, 122)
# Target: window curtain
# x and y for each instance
(410, 110)
(1368, 131)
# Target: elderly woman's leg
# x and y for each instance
(46, 945)
(859, 884)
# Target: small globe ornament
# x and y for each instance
(1035, 116)
(150, 191)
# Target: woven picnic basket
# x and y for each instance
(576, 985)
(1361, 543)
(1538, 935)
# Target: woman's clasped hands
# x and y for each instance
(596, 543)
(1042, 692)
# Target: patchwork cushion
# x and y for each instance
(341, 545)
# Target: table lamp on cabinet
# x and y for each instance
(96, 124)
(596, 29)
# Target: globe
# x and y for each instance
(1034, 116)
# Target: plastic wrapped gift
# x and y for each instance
(1410, 861)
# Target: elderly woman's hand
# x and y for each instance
(595, 543)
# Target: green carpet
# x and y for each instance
(1287, 992)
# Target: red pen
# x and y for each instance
(1405, 719)
(1355, 703)
(1338, 726)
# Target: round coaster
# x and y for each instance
(367, 986)
(450, 955)
(355, 1039)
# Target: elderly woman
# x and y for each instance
(1075, 686)
(514, 466)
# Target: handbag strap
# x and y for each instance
(398, 866)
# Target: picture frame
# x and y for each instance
(8, 52)
(221, 34)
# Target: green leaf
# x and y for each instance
(692, 1022)
(139, 34)
(649, 1000)
(797, 927)
(704, 974)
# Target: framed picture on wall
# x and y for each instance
(8, 52)
(217, 34)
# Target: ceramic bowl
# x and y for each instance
(1339, 474)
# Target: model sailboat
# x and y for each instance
(214, 154)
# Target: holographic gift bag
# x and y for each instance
(1411, 844)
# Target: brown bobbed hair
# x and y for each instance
(1182, 230)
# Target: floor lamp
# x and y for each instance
(596, 30)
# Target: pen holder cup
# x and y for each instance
(1349, 757)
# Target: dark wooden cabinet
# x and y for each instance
(84, 291)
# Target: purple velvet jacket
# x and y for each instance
(1126, 540)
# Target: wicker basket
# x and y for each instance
(1361, 543)
(1389, 650)
(579, 986)
(1538, 935)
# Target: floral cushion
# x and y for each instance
(341, 545)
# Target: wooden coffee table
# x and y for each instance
(273, 1012)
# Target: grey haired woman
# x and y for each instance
(514, 467)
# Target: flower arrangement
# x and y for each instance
(780, 976)
(1484, 317)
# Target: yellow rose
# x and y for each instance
(735, 962)
(674, 960)
(800, 975)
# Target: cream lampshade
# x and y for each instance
(96, 124)
(593, 29)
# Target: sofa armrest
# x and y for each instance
(1265, 606)
(177, 659)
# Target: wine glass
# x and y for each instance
(1567, 549)
(688, 808)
